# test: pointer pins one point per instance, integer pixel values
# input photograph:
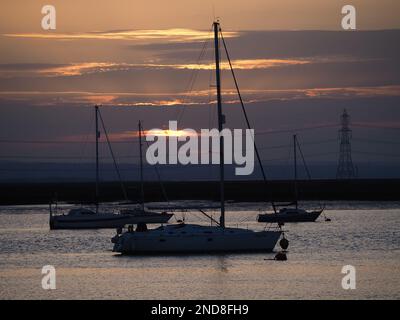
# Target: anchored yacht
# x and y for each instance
(295, 214)
(86, 218)
(187, 238)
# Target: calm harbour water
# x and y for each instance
(363, 234)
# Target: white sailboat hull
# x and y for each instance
(182, 238)
(96, 222)
(196, 239)
(106, 221)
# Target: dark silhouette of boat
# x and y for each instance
(295, 214)
(86, 218)
(191, 238)
(83, 218)
(285, 215)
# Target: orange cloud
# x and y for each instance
(78, 69)
(354, 91)
(246, 64)
(168, 35)
(201, 97)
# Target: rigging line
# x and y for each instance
(210, 217)
(200, 217)
(307, 170)
(192, 79)
(159, 178)
(113, 157)
(212, 111)
(289, 156)
(247, 218)
(85, 143)
(195, 75)
(304, 161)
(194, 71)
(247, 120)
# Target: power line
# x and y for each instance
(17, 141)
(374, 126)
(377, 154)
(61, 141)
(296, 129)
(61, 157)
(375, 141)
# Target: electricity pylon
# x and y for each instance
(345, 169)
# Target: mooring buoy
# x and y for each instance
(281, 256)
(284, 243)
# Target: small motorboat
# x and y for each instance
(290, 215)
(83, 218)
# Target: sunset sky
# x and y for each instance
(297, 70)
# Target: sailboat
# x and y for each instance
(86, 218)
(141, 214)
(192, 238)
(295, 214)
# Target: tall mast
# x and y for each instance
(221, 121)
(96, 111)
(295, 168)
(248, 123)
(141, 166)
